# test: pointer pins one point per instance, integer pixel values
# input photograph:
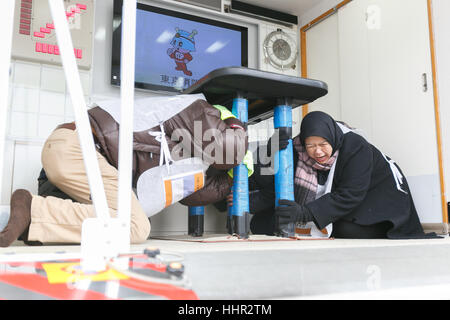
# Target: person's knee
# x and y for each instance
(263, 223)
(54, 173)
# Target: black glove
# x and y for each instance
(291, 211)
(284, 135)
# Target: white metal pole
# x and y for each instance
(80, 109)
(6, 24)
(127, 109)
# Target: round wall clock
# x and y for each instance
(280, 50)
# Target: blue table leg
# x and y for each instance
(196, 221)
(284, 174)
(238, 215)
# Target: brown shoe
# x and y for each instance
(19, 219)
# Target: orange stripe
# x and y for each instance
(198, 181)
(324, 15)
(437, 114)
(306, 231)
(304, 65)
(168, 192)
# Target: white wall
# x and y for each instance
(321, 7)
(38, 102)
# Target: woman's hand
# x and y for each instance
(283, 141)
(291, 211)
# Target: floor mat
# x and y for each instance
(215, 238)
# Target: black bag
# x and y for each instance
(46, 188)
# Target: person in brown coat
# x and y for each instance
(37, 219)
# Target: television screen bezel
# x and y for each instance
(116, 41)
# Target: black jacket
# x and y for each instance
(363, 192)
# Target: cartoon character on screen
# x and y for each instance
(183, 44)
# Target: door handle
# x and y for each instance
(424, 82)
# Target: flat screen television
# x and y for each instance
(175, 49)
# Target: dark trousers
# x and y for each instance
(264, 223)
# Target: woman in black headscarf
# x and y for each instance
(343, 180)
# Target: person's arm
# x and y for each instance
(221, 143)
(216, 188)
(263, 185)
(261, 200)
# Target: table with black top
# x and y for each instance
(252, 96)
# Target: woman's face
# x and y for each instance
(318, 149)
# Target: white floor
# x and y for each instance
(224, 243)
(304, 269)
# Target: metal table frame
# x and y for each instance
(253, 96)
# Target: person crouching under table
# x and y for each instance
(340, 180)
(38, 219)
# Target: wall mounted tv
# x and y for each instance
(175, 49)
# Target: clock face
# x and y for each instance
(280, 50)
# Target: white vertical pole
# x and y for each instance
(80, 110)
(126, 111)
(6, 25)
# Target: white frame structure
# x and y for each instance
(6, 23)
(102, 237)
(127, 109)
(80, 111)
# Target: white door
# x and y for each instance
(322, 56)
(383, 54)
(355, 75)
